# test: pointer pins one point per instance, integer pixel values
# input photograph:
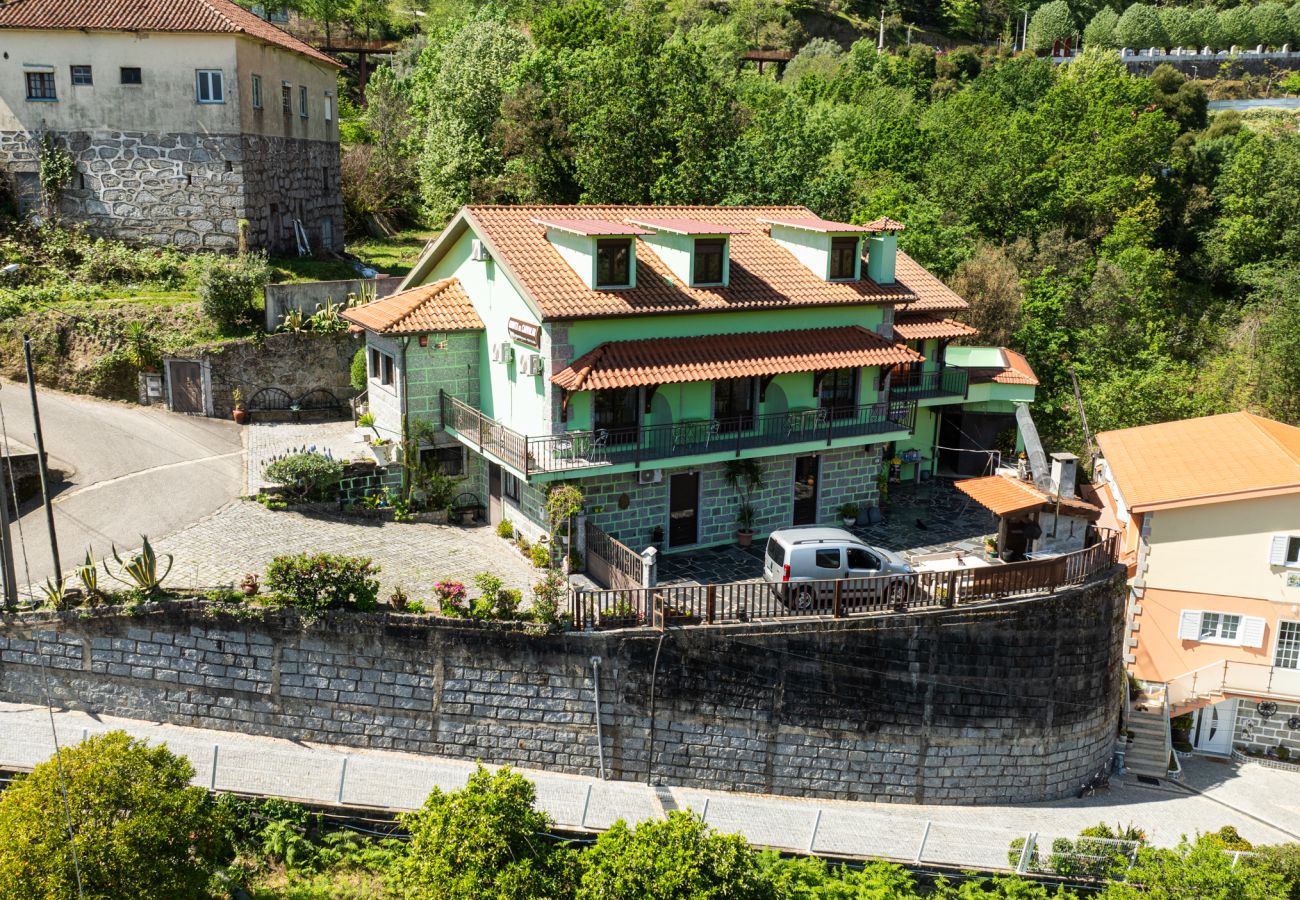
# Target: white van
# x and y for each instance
(800, 564)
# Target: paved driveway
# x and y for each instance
(244, 536)
(130, 470)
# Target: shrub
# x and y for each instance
(359, 372)
(540, 554)
(505, 529)
(307, 476)
(228, 287)
(547, 596)
(142, 831)
(451, 597)
(485, 840)
(324, 581)
(1051, 22)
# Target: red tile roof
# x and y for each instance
(764, 275)
(923, 327)
(590, 227)
(685, 226)
(809, 222)
(884, 223)
(440, 306)
(709, 357)
(1003, 496)
(188, 16)
(932, 295)
(1017, 370)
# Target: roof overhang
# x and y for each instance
(1005, 496)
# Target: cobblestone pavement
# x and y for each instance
(268, 439)
(927, 518)
(244, 536)
(1256, 801)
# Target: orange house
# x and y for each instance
(1209, 510)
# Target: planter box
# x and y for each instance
(382, 454)
(1265, 761)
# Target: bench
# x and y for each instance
(465, 503)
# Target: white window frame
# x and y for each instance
(383, 367)
(511, 487)
(329, 107)
(302, 101)
(1280, 551)
(255, 90)
(216, 87)
(1277, 642)
(1248, 633)
(87, 70)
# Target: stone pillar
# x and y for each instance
(649, 567)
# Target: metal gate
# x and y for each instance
(611, 564)
(185, 386)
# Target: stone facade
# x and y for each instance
(1000, 703)
(191, 190)
(1255, 732)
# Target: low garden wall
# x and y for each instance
(1007, 702)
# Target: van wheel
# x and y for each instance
(897, 595)
(803, 598)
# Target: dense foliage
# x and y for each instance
(308, 475)
(141, 830)
(228, 287)
(1097, 221)
(321, 581)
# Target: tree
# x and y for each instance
(1052, 21)
(1272, 23)
(141, 830)
(1180, 26)
(1139, 27)
(1199, 869)
(819, 58)
(990, 283)
(1237, 27)
(485, 840)
(1100, 32)
(675, 858)
(962, 16)
(1208, 31)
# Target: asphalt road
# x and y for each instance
(130, 470)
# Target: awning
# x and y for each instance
(436, 307)
(711, 357)
(1005, 496)
(921, 327)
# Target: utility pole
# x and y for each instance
(40, 458)
(6, 539)
(1024, 32)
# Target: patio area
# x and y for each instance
(919, 520)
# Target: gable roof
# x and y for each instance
(763, 274)
(713, 356)
(440, 306)
(1233, 456)
(181, 16)
(1003, 495)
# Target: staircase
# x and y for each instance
(1149, 721)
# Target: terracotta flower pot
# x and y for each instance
(240, 416)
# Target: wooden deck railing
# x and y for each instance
(709, 604)
(612, 563)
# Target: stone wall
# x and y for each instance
(1261, 734)
(1008, 703)
(191, 190)
(295, 363)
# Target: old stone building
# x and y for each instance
(183, 117)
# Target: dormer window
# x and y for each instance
(613, 263)
(844, 259)
(710, 256)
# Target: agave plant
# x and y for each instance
(88, 575)
(55, 591)
(141, 570)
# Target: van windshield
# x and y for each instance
(776, 551)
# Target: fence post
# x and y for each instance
(649, 567)
(837, 606)
(343, 774)
(1026, 853)
(212, 784)
(925, 836)
(586, 801)
(712, 597)
(817, 823)
(704, 813)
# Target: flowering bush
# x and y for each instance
(451, 597)
(324, 581)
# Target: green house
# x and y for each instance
(635, 350)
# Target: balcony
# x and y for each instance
(1232, 678)
(946, 383)
(576, 450)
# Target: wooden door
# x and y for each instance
(805, 490)
(494, 494)
(186, 386)
(683, 509)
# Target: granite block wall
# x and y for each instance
(1011, 702)
(1262, 733)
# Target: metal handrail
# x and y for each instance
(949, 381)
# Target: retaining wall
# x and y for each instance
(1001, 703)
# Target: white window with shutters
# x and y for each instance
(1227, 629)
(1284, 550)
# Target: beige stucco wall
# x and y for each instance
(1223, 548)
(1160, 655)
(165, 102)
(276, 67)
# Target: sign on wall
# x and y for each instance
(525, 333)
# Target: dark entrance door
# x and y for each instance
(683, 509)
(187, 386)
(494, 493)
(805, 490)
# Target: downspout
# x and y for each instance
(650, 749)
(600, 741)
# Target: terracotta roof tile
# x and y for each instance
(922, 327)
(1003, 496)
(590, 227)
(808, 222)
(440, 306)
(710, 357)
(1017, 371)
(684, 226)
(884, 223)
(764, 275)
(189, 16)
(1224, 457)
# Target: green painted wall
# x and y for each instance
(927, 423)
(882, 255)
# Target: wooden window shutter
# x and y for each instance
(1189, 625)
(1252, 631)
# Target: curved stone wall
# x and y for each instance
(1000, 703)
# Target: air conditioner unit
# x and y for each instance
(478, 252)
(532, 364)
(650, 476)
(502, 352)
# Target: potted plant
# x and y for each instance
(744, 476)
(239, 414)
(991, 547)
(849, 514)
(621, 614)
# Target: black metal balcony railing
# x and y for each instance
(946, 382)
(572, 450)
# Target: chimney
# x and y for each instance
(882, 251)
(1064, 468)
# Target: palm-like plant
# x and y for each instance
(141, 569)
(744, 476)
